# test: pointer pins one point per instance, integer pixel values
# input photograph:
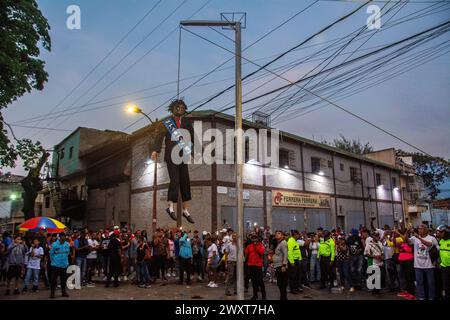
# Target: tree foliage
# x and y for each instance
(23, 32)
(350, 145)
(434, 171)
(23, 29)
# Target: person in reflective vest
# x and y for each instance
(326, 258)
(443, 233)
(294, 258)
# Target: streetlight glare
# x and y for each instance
(13, 197)
(132, 108)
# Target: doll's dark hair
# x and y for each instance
(176, 102)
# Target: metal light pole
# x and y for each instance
(239, 144)
(135, 109)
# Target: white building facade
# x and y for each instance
(320, 186)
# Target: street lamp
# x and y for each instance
(132, 108)
(13, 197)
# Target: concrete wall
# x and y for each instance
(108, 207)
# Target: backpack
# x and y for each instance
(434, 254)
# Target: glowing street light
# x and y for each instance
(13, 197)
(132, 108)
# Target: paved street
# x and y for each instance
(172, 291)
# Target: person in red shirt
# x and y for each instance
(254, 256)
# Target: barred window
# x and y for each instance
(315, 165)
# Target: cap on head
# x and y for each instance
(442, 228)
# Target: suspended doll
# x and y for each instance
(168, 130)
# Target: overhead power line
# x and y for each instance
(123, 58)
(226, 61)
(445, 24)
(288, 51)
(108, 54)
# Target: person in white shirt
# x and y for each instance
(227, 238)
(423, 266)
(230, 250)
(213, 262)
(94, 245)
(34, 254)
(374, 253)
(314, 246)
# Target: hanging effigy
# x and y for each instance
(173, 132)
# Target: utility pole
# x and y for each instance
(236, 25)
(239, 166)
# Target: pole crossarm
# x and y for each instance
(207, 23)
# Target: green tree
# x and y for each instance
(350, 145)
(434, 171)
(23, 30)
(34, 156)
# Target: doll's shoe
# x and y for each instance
(188, 217)
(172, 214)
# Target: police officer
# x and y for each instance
(443, 233)
(294, 258)
(326, 258)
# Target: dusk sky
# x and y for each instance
(415, 105)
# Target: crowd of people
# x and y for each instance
(413, 262)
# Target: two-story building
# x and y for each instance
(77, 160)
(319, 186)
(411, 184)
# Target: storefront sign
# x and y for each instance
(299, 200)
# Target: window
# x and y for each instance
(83, 193)
(47, 202)
(394, 182)
(341, 166)
(75, 192)
(354, 175)
(378, 179)
(61, 153)
(315, 165)
(70, 152)
(247, 151)
(330, 164)
(284, 158)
